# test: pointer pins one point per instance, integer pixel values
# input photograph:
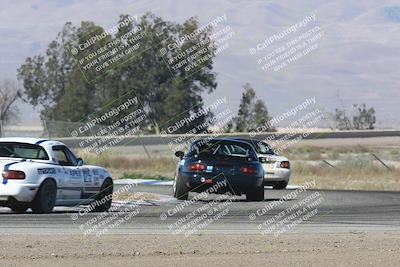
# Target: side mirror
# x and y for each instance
(179, 154)
(262, 159)
(80, 161)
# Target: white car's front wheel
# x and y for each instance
(104, 197)
(19, 209)
(45, 198)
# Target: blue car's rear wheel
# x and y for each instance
(256, 194)
(181, 192)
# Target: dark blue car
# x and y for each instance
(227, 165)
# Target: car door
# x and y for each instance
(87, 180)
(72, 180)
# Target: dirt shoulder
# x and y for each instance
(357, 249)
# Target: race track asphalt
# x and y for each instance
(313, 211)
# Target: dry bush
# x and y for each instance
(316, 155)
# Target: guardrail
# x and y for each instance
(165, 139)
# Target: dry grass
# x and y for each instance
(315, 155)
(124, 167)
(356, 174)
(318, 153)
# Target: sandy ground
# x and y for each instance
(351, 249)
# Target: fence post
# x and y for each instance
(46, 129)
(381, 161)
(327, 163)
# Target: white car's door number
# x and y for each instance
(87, 177)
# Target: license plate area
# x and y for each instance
(269, 166)
(206, 180)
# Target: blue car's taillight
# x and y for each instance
(248, 170)
(197, 167)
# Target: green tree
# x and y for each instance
(261, 116)
(9, 94)
(252, 112)
(245, 111)
(55, 82)
(44, 77)
(342, 121)
(364, 119)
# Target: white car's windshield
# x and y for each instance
(22, 150)
(263, 148)
(260, 147)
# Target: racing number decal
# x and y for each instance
(87, 177)
(75, 174)
(46, 171)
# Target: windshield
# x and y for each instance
(221, 149)
(263, 148)
(22, 150)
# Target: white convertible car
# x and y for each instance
(40, 174)
(276, 168)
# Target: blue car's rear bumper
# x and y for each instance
(237, 184)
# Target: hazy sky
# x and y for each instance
(357, 59)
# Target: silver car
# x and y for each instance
(276, 168)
